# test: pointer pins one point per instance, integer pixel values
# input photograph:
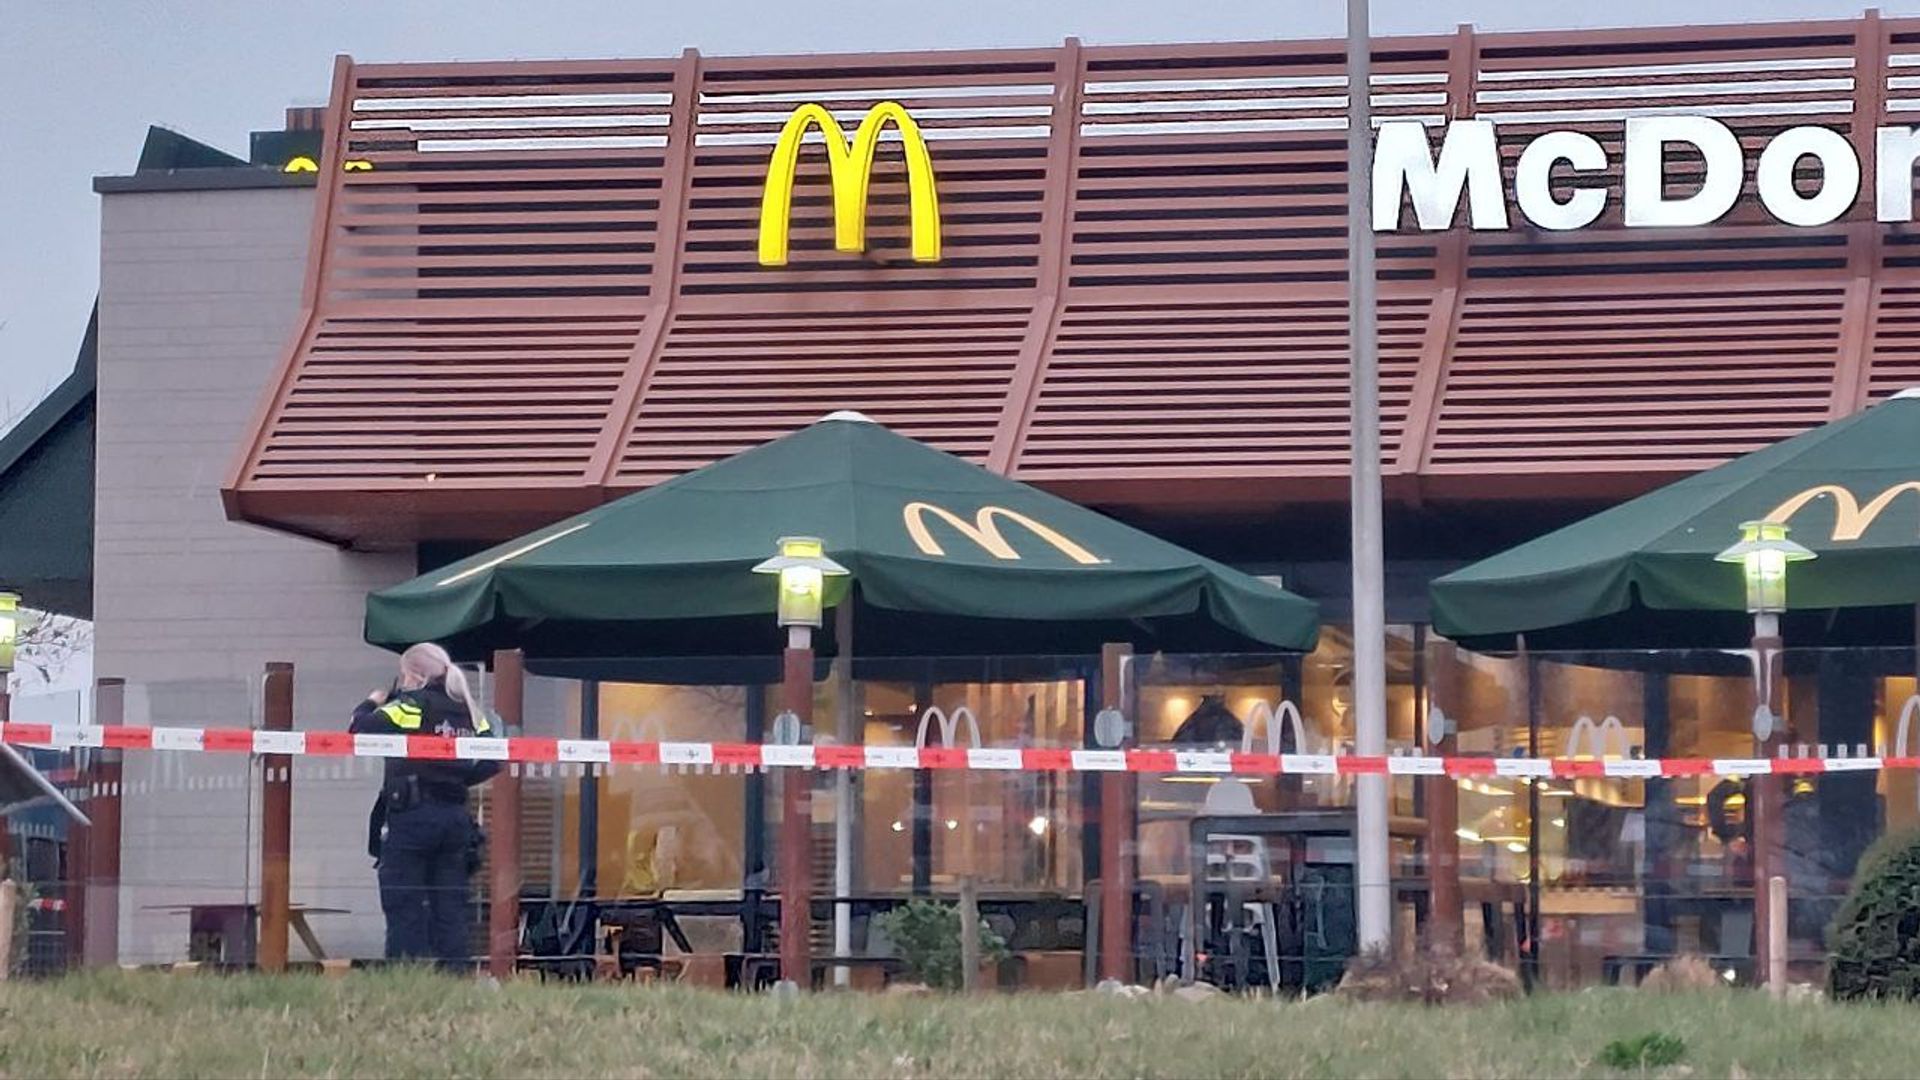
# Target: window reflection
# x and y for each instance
(1009, 831)
(1622, 868)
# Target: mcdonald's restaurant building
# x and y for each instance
(465, 300)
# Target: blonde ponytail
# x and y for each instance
(427, 661)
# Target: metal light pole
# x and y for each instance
(803, 568)
(1763, 554)
(1374, 902)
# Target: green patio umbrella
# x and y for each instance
(1849, 491)
(947, 558)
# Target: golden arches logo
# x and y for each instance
(850, 168)
(1850, 519)
(984, 530)
(303, 164)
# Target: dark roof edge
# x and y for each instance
(167, 149)
(202, 180)
(72, 392)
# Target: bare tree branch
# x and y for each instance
(48, 647)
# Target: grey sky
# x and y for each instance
(80, 80)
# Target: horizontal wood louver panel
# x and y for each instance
(546, 285)
(486, 266)
(538, 181)
(1226, 165)
(1251, 388)
(446, 399)
(726, 382)
(1674, 380)
(1895, 362)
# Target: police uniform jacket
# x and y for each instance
(429, 710)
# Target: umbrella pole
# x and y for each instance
(1530, 964)
(1117, 809)
(1765, 800)
(843, 793)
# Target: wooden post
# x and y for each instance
(77, 869)
(276, 823)
(100, 945)
(1777, 936)
(1116, 835)
(503, 823)
(6, 829)
(796, 822)
(9, 905)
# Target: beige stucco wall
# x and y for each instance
(199, 292)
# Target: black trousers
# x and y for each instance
(423, 884)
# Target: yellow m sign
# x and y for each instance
(850, 166)
(1850, 519)
(984, 530)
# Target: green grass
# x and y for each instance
(406, 1025)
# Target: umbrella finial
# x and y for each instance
(848, 415)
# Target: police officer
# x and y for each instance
(424, 852)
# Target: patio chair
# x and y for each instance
(559, 938)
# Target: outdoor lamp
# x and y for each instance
(803, 567)
(1763, 554)
(13, 623)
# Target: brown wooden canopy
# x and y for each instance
(543, 293)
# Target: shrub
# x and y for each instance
(1683, 975)
(1650, 1051)
(1432, 975)
(926, 935)
(1874, 943)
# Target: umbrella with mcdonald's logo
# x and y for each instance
(1645, 573)
(947, 559)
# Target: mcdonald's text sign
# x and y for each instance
(1406, 170)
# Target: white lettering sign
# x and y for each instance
(1406, 171)
(1839, 175)
(1895, 149)
(1646, 201)
(1532, 180)
(1469, 158)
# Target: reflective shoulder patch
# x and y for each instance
(405, 715)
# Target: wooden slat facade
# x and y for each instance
(544, 293)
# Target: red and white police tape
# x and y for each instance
(339, 744)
